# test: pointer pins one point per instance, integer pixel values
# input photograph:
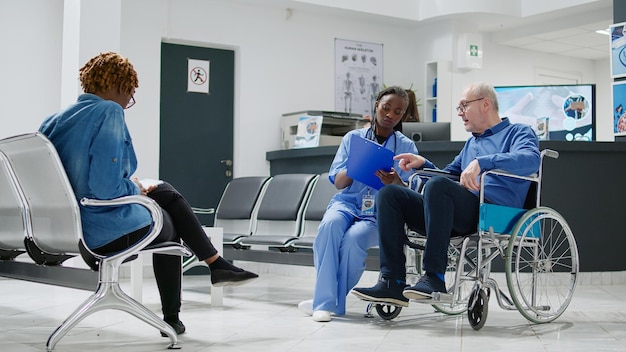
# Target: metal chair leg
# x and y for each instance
(109, 295)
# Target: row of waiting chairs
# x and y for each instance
(40, 215)
(281, 211)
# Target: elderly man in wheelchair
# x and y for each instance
(491, 175)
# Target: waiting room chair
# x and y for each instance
(13, 229)
(280, 214)
(55, 228)
(236, 211)
(322, 193)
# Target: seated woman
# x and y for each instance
(348, 227)
(94, 144)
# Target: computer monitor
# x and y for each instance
(427, 131)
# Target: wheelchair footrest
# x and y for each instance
(442, 297)
(437, 297)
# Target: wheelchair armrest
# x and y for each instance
(496, 172)
(149, 204)
(550, 153)
(428, 173)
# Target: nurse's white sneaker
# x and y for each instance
(306, 307)
(321, 316)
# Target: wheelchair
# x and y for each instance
(537, 246)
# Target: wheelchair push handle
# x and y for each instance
(550, 153)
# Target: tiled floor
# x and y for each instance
(263, 316)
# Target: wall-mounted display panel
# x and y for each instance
(555, 112)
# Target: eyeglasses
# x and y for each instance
(131, 102)
(463, 106)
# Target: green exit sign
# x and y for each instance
(473, 49)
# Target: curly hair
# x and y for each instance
(108, 70)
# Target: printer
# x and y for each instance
(334, 126)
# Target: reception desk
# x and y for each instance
(584, 184)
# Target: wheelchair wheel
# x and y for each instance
(478, 309)
(387, 311)
(541, 265)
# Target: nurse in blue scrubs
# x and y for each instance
(348, 227)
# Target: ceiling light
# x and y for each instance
(603, 31)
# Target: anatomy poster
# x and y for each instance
(358, 76)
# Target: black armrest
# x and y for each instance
(426, 172)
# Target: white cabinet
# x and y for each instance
(439, 99)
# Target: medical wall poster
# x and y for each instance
(358, 75)
(618, 50)
(198, 76)
(619, 108)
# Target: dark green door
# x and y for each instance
(196, 141)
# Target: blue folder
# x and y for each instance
(365, 158)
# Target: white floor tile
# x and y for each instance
(263, 316)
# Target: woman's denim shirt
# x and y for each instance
(94, 144)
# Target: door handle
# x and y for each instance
(228, 164)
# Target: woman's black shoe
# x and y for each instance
(222, 277)
(177, 326)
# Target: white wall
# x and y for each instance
(143, 22)
(282, 65)
(30, 63)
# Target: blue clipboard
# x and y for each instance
(365, 158)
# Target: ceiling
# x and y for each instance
(568, 29)
(581, 41)
(569, 33)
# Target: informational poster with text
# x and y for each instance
(358, 76)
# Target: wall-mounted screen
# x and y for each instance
(619, 108)
(555, 112)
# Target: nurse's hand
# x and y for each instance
(390, 177)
